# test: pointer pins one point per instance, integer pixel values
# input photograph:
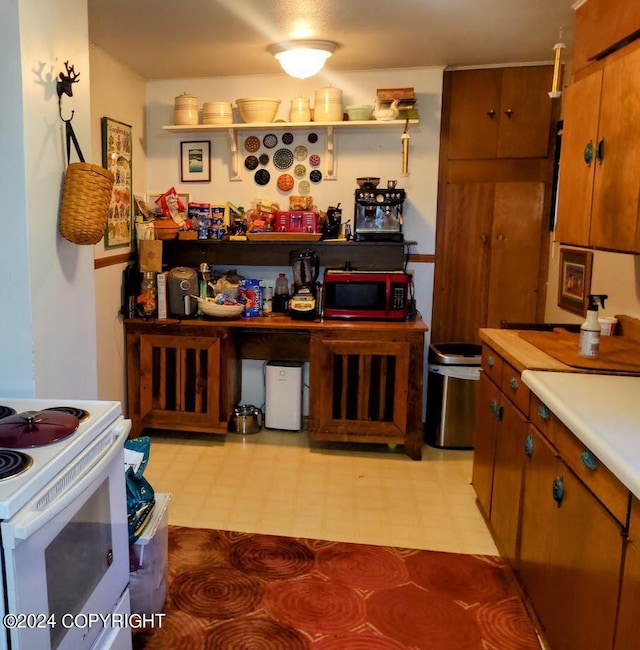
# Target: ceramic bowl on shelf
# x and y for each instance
(365, 182)
(362, 112)
(257, 109)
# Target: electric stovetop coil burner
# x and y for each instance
(13, 462)
(6, 411)
(79, 413)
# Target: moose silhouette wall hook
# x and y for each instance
(65, 86)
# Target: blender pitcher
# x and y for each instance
(306, 266)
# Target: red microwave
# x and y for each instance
(372, 295)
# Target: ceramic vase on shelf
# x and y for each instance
(327, 106)
(300, 110)
(185, 110)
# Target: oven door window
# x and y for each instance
(78, 557)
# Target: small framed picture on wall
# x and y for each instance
(195, 162)
(574, 281)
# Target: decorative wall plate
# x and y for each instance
(315, 176)
(283, 158)
(270, 140)
(252, 144)
(285, 182)
(313, 138)
(250, 162)
(299, 171)
(264, 159)
(304, 187)
(314, 160)
(300, 152)
(287, 138)
(262, 177)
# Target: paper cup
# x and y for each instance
(607, 325)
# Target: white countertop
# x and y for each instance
(603, 411)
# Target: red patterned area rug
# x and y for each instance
(239, 591)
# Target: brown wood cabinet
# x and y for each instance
(601, 26)
(628, 631)
(500, 113)
(365, 377)
(599, 191)
(494, 246)
(366, 387)
(571, 552)
(494, 200)
(503, 405)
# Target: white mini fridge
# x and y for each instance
(283, 395)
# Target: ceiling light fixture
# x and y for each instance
(303, 58)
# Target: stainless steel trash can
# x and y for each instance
(452, 391)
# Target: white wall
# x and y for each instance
(119, 93)
(614, 274)
(47, 328)
(374, 152)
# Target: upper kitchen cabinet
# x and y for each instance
(500, 113)
(599, 190)
(602, 26)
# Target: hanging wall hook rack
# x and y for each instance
(64, 86)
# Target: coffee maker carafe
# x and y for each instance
(306, 267)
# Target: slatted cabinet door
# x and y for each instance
(367, 387)
(179, 381)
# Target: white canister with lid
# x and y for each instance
(300, 110)
(185, 109)
(328, 105)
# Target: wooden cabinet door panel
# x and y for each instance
(615, 217)
(525, 112)
(507, 481)
(475, 118)
(628, 631)
(462, 268)
(575, 190)
(538, 509)
(516, 244)
(485, 442)
(586, 557)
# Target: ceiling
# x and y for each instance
(163, 39)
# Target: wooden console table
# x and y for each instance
(365, 377)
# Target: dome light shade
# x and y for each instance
(304, 58)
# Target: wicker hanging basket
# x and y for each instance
(86, 196)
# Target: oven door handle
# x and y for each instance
(29, 522)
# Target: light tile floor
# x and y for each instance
(279, 483)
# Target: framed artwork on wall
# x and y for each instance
(116, 157)
(574, 280)
(195, 162)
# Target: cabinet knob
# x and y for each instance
(528, 446)
(543, 412)
(588, 459)
(558, 490)
(491, 114)
(508, 113)
(490, 361)
(588, 153)
(513, 383)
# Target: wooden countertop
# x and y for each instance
(283, 322)
(519, 353)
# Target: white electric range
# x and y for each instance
(63, 523)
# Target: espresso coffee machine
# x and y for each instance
(378, 213)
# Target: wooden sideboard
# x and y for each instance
(365, 377)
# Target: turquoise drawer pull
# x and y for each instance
(513, 382)
(493, 407)
(491, 361)
(588, 459)
(544, 412)
(528, 446)
(558, 490)
(588, 153)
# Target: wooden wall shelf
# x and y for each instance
(361, 255)
(328, 127)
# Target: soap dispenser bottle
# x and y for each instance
(590, 329)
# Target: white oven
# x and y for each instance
(65, 549)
